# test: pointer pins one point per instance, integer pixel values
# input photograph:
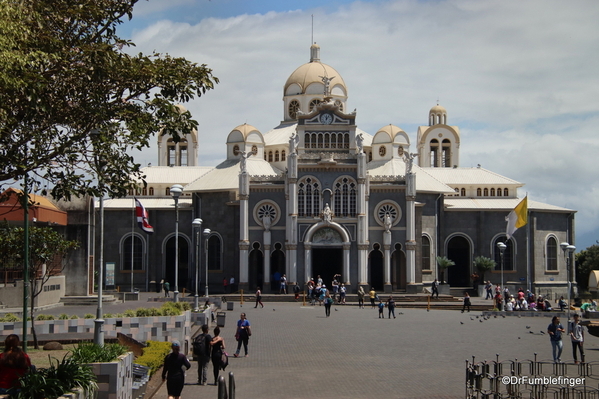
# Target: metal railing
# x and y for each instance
(531, 379)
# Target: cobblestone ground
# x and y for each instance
(296, 352)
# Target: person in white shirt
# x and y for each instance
(577, 336)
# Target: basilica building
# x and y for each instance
(318, 196)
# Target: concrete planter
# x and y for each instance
(115, 379)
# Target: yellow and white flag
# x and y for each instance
(517, 218)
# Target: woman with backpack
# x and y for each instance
(328, 301)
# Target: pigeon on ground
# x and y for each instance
(531, 332)
(461, 322)
(527, 327)
(542, 332)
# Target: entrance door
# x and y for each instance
(398, 260)
(169, 272)
(327, 262)
(376, 267)
(458, 250)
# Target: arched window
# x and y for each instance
(463, 192)
(314, 103)
(505, 192)
(282, 155)
(478, 192)
(508, 254)
(308, 197)
(144, 191)
(426, 253)
(294, 106)
(551, 253)
(492, 192)
(344, 197)
(339, 104)
(214, 252)
(277, 156)
(486, 192)
(446, 159)
(151, 191)
(137, 253)
(499, 192)
(269, 156)
(183, 152)
(434, 150)
(369, 156)
(236, 150)
(307, 141)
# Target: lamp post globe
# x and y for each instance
(502, 248)
(176, 191)
(206, 233)
(197, 225)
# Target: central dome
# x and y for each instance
(310, 84)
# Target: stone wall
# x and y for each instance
(54, 289)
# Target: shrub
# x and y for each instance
(89, 316)
(129, 313)
(108, 316)
(63, 316)
(10, 318)
(89, 352)
(153, 356)
(44, 317)
(61, 377)
(74, 317)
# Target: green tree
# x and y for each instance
(47, 251)
(71, 95)
(586, 261)
(483, 265)
(444, 262)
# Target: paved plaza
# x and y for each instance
(296, 352)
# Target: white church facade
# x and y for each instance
(316, 195)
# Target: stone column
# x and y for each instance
(410, 228)
(346, 264)
(387, 260)
(308, 261)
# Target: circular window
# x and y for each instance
(400, 151)
(339, 104)
(314, 103)
(266, 208)
(236, 150)
(255, 149)
(294, 106)
(382, 151)
(385, 208)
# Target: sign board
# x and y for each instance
(110, 274)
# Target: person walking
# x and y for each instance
(218, 348)
(466, 302)
(391, 306)
(283, 285)
(372, 295)
(258, 298)
(172, 371)
(166, 287)
(361, 295)
(201, 350)
(435, 287)
(225, 285)
(342, 293)
(555, 330)
(381, 307)
(328, 301)
(244, 331)
(14, 363)
(489, 289)
(577, 337)
(296, 291)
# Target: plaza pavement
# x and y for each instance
(296, 352)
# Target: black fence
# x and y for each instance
(531, 379)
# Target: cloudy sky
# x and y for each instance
(520, 79)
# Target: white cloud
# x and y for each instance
(519, 78)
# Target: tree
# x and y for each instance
(586, 261)
(73, 102)
(47, 250)
(483, 265)
(443, 262)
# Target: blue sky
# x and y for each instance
(518, 78)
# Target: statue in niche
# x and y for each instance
(266, 222)
(293, 143)
(388, 222)
(359, 143)
(327, 214)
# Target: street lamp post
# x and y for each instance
(502, 248)
(568, 249)
(176, 191)
(197, 225)
(206, 234)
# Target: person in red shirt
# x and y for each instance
(14, 363)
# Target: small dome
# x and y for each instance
(245, 133)
(437, 116)
(391, 133)
(438, 109)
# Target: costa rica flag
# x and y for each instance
(142, 217)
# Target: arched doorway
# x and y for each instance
(256, 267)
(458, 250)
(169, 262)
(327, 262)
(376, 268)
(398, 262)
(277, 267)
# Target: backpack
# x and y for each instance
(199, 346)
